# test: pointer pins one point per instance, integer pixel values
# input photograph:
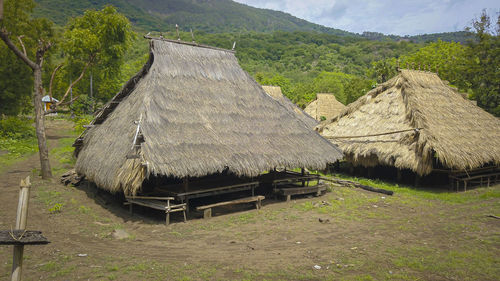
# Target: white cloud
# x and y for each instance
(399, 17)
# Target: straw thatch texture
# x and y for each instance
(454, 132)
(325, 105)
(201, 113)
(276, 94)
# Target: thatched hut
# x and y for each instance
(324, 107)
(276, 94)
(192, 112)
(425, 124)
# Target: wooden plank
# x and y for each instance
(255, 183)
(237, 201)
(159, 205)
(301, 190)
(149, 197)
(22, 237)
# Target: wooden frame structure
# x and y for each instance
(158, 203)
(486, 176)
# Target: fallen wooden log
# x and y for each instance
(362, 186)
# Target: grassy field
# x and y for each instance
(346, 234)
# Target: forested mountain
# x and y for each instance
(203, 15)
(214, 16)
(274, 47)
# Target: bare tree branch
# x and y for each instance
(4, 35)
(20, 38)
(73, 84)
(52, 79)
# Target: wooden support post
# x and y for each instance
(399, 175)
(22, 216)
(302, 172)
(417, 180)
(185, 183)
(207, 213)
(167, 213)
(288, 198)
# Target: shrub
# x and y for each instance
(16, 128)
(80, 121)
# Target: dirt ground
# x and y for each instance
(415, 234)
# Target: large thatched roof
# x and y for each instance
(201, 114)
(325, 105)
(454, 131)
(275, 93)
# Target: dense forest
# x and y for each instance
(302, 62)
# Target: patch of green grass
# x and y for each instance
(347, 203)
(50, 266)
(48, 197)
(84, 210)
(15, 150)
(473, 195)
(57, 208)
(63, 155)
(457, 263)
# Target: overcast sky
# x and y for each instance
(400, 17)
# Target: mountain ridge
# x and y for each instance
(214, 16)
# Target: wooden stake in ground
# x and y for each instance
(22, 216)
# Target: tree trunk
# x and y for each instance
(39, 124)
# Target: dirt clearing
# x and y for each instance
(347, 234)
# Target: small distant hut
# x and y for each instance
(416, 121)
(325, 107)
(192, 112)
(276, 94)
(47, 102)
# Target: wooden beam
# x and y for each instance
(237, 201)
(22, 216)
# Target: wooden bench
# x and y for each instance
(207, 209)
(158, 203)
(288, 191)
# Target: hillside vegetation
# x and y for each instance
(301, 57)
(209, 16)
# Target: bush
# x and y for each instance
(80, 121)
(16, 128)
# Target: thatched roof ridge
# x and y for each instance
(201, 114)
(457, 133)
(276, 94)
(325, 105)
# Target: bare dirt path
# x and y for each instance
(366, 236)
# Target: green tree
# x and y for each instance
(97, 41)
(39, 31)
(483, 71)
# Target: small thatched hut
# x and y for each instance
(441, 129)
(325, 107)
(192, 112)
(276, 94)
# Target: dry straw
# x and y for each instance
(276, 94)
(325, 105)
(201, 113)
(455, 132)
